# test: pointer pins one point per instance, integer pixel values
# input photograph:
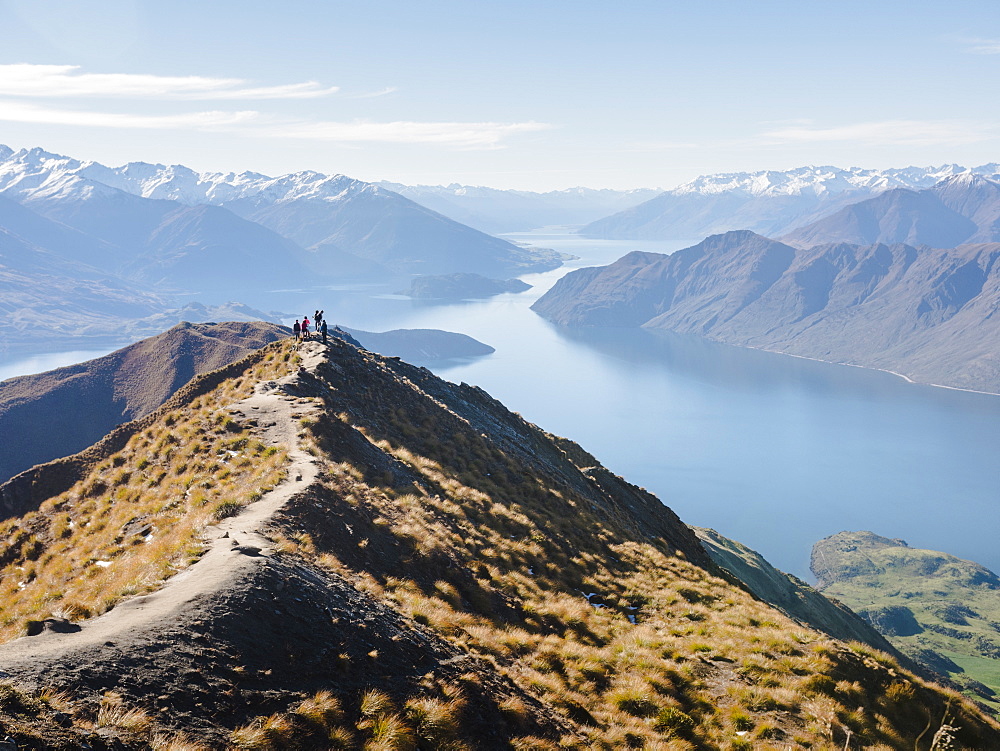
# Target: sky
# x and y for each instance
(510, 94)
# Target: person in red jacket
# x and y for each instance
(305, 327)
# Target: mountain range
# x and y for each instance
(317, 546)
(962, 209)
(770, 203)
(332, 224)
(927, 313)
(92, 250)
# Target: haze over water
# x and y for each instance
(774, 451)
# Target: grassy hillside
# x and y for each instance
(454, 578)
(135, 518)
(789, 594)
(65, 410)
(940, 610)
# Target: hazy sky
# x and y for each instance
(535, 95)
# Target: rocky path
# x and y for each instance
(235, 545)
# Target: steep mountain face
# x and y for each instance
(923, 312)
(896, 216)
(961, 209)
(940, 610)
(432, 572)
(62, 241)
(496, 211)
(63, 411)
(770, 203)
(351, 227)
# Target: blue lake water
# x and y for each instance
(774, 451)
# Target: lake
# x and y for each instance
(774, 451)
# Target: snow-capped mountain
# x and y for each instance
(771, 203)
(961, 209)
(824, 180)
(349, 227)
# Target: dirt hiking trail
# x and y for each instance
(234, 546)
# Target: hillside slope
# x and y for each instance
(433, 572)
(926, 313)
(63, 411)
(940, 610)
(790, 595)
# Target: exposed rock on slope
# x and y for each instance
(63, 411)
(929, 314)
(940, 610)
(439, 573)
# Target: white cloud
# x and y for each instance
(982, 46)
(28, 80)
(255, 124)
(374, 94)
(463, 135)
(886, 133)
(20, 112)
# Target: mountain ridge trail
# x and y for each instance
(234, 545)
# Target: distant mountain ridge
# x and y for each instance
(341, 221)
(927, 313)
(92, 250)
(495, 211)
(961, 209)
(769, 202)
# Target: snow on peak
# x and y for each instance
(822, 180)
(36, 173)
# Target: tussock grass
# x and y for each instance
(136, 518)
(633, 643)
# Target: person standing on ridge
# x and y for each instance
(305, 327)
(323, 330)
(296, 330)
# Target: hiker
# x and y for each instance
(296, 329)
(305, 327)
(323, 329)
